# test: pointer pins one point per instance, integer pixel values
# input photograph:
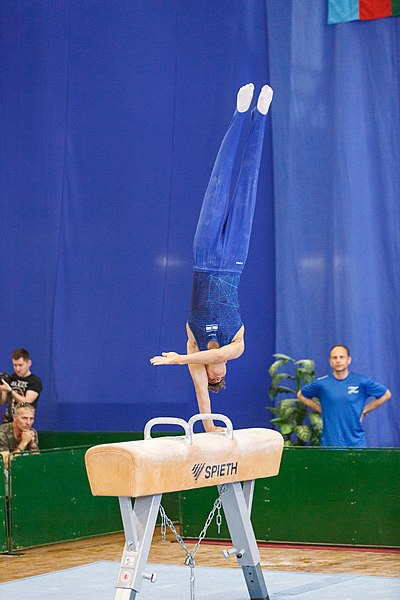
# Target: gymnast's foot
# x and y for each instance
(264, 99)
(244, 97)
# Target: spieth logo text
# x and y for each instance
(210, 471)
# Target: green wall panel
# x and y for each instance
(3, 510)
(65, 439)
(332, 497)
(51, 500)
(321, 496)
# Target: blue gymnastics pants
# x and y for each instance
(222, 237)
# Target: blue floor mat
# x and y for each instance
(96, 581)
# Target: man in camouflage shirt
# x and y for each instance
(19, 436)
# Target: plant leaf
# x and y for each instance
(277, 421)
(284, 357)
(289, 416)
(275, 366)
(316, 422)
(286, 428)
(303, 432)
(274, 410)
(279, 376)
(287, 403)
(307, 363)
(282, 389)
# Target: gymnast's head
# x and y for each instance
(216, 377)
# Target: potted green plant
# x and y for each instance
(298, 425)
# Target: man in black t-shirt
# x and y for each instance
(21, 386)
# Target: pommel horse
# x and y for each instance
(147, 468)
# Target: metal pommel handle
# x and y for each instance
(168, 421)
(212, 416)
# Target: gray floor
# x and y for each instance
(96, 581)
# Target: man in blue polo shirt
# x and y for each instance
(343, 401)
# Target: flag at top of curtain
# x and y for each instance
(341, 11)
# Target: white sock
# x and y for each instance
(264, 99)
(244, 97)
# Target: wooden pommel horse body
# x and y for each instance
(146, 469)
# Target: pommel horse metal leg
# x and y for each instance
(237, 513)
(139, 524)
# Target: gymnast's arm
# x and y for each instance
(199, 377)
(202, 357)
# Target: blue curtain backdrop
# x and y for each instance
(336, 144)
(111, 116)
(112, 112)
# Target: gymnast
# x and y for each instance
(215, 329)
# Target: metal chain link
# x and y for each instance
(189, 561)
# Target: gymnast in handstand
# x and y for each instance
(215, 329)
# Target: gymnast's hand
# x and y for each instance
(167, 358)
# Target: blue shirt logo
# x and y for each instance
(352, 389)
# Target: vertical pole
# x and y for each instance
(241, 530)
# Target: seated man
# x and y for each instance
(19, 436)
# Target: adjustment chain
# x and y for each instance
(189, 561)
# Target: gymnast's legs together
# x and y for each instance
(223, 231)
